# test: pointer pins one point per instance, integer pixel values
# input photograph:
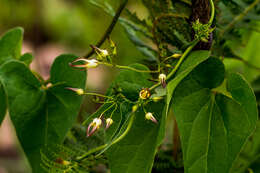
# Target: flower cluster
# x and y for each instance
(202, 31)
(105, 58)
(96, 124)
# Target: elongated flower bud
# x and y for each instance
(109, 122)
(95, 125)
(149, 116)
(162, 78)
(134, 108)
(144, 93)
(113, 46)
(89, 63)
(156, 99)
(79, 91)
(176, 55)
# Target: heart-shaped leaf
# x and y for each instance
(42, 115)
(214, 125)
(11, 44)
(10, 48)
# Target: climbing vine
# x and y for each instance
(184, 76)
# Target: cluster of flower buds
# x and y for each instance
(96, 124)
(88, 63)
(162, 79)
(145, 93)
(149, 116)
(79, 91)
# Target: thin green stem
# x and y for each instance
(84, 123)
(187, 51)
(212, 12)
(107, 110)
(128, 68)
(113, 111)
(110, 28)
(94, 150)
(99, 95)
(239, 17)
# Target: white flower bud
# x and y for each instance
(109, 122)
(149, 116)
(162, 78)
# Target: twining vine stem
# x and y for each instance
(110, 28)
(128, 68)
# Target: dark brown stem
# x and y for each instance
(109, 29)
(176, 140)
(201, 10)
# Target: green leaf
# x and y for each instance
(41, 115)
(252, 56)
(250, 153)
(135, 153)
(27, 58)
(11, 44)
(3, 104)
(192, 61)
(213, 127)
